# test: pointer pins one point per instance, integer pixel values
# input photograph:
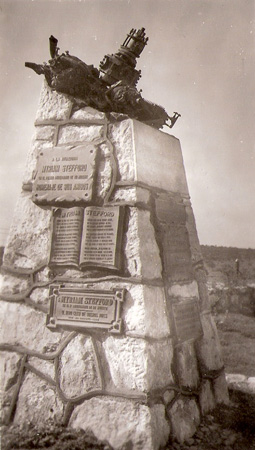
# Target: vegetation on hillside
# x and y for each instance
(221, 265)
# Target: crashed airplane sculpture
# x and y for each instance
(110, 89)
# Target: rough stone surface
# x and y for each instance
(137, 364)
(141, 250)
(132, 245)
(185, 418)
(241, 383)
(36, 147)
(104, 177)
(124, 194)
(208, 347)
(131, 194)
(149, 253)
(168, 396)
(220, 389)
(28, 245)
(53, 105)
(192, 230)
(9, 368)
(88, 113)
(29, 330)
(235, 378)
(123, 422)
(40, 296)
(46, 367)
(45, 132)
(106, 148)
(121, 137)
(160, 358)
(13, 283)
(206, 397)
(126, 362)
(200, 276)
(144, 312)
(186, 365)
(251, 384)
(184, 290)
(79, 133)
(142, 195)
(78, 370)
(43, 275)
(9, 363)
(37, 402)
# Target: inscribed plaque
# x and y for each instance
(64, 175)
(176, 253)
(73, 307)
(187, 320)
(89, 237)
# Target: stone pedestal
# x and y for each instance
(164, 369)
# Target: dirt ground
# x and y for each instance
(226, 428)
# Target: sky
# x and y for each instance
(199, 61)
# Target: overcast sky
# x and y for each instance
(199, 61)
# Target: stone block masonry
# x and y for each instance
(164, 369)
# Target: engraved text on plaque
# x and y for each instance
(75, 307)
(89, 237)
(64, 175)
(187, 320)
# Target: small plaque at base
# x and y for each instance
(81, 308)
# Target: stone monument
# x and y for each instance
(105, 313)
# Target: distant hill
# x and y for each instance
(220, 263)
(213, 252)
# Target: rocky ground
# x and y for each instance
(226, 428)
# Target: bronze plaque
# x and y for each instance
(176, 253)
(89, 237)
(101, 245)
(187, 320)
(64, 175)
(81, 308)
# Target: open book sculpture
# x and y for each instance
(110, 89)
(89, 237)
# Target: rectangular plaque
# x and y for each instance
(64, 175)
(73, 307)
(187, 320)
(89, 237)
(177, 256)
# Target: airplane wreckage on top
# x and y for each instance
(112, 88)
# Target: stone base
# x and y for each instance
(123, 422)
(164, 369)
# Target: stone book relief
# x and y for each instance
(89, 237)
